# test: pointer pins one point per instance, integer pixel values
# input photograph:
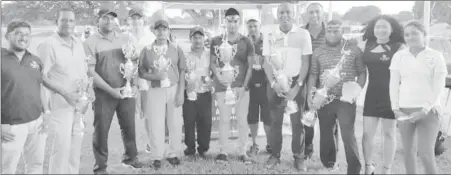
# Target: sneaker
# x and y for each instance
(189, 152)
(203, 154)
(299, 164)
(245, 159)
(253, 151)
(308, 152)
(133, 163)
(147, 148)
(221, 158)
(268, 149)
(173, 161)
(101, 172)
(272, 161)
(333, 168)
(157, 164)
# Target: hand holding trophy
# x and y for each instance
(191, 78)
(225, 53)
(350, 91)
(128, 70)
(162, 63)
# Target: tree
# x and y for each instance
(441, 10)
(362, 14)
(404, 16)
(335, 16)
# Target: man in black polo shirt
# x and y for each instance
(22, 104)
(258, 101)
(105, 48)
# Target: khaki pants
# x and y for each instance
(225, 113)
(28, 141)
(66, 147)
(160, 106)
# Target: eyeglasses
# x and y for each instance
(20, 34)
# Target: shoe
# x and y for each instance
(147, 148)
(173, 161)
(386, 170)
(299, 164)
(203, 154)
(272, 161)
(333, 168)
(221, 158)
(189, 152)
(245, 159)
(157, 164)
(308, 152)
(133, 163)
(253, 150)
(369, 169)
(101, 172)
(268, 149)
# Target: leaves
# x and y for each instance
(362, 14)
(441, 10)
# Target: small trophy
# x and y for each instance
(350, 91)
(257, 62)
(191, 78)
(225, 54)
(128, 70)
(82, 103)
(162, 63)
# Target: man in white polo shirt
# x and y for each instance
(293, 42)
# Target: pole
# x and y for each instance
(427, 18)
(329, 16)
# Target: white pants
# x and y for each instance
(28, 141)
(66, 147)
(225, 113)
(161, 107)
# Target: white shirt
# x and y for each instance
(292, 46)
(421, 79)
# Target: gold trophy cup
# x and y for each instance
(191, 78)
(82, 103)
(162, 64)
(128, 69)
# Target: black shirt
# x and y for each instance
(258, 77)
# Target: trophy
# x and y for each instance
(128, 69)
(162, 63)
(257, 62)
(350, 91)
(225, 54)
(191, 78)
(82, 103)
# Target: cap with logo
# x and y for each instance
(135, 11)
(161, 23)
(103, 12)
(195, 30)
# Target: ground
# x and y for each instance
(210, 167)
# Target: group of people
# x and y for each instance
(405, 78)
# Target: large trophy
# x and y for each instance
(330, 78)
(225, 53)
(128, 69)
(191, 78)
(162, 63)
(82, 103)
(350, 91)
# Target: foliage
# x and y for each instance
(441, 10)
(362, 14)
(404, 16)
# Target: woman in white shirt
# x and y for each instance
(417, 78)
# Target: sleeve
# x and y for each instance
(250, 47)
(315, 66)
(142, 61)
(395, 61)
(46, 54)
(359, 64)
(265, 49)
(395, 79)
(182, 59)
(438, 81)
(307, 44)
(90, 52)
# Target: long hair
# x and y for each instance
(397, 34)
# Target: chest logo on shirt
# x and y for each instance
(384, 58)
(34, 65)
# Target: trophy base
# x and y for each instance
(309, 118)
(257, 67)
(351, 101)
(291, 107)
(192, 96)
(165, 83)
(128, 93)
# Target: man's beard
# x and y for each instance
(16, 48)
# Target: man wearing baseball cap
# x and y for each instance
(165, 97)
(197, 113)
(105, 49)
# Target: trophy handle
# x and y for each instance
(217, 53)
(122, 68)
(236, 71)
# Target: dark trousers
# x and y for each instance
(345, 114)
(198, 115)
(258, 106)
(277, 106)
(104, 107)
(309, 131)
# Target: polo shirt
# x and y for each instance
(320, 39)
(292, 46)
(245, 48)
(258, 76)
(202, 66)
(174, 53)
(326, 57)
(423, 75)
(107, 56)
(63, 63)
(21, 88)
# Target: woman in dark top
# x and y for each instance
(383, 37)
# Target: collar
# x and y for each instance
(240, 37)
(294, 29)
(259, 40)
(62, 41)
(323, 26)
(101, 36)
(6, 52)
(192, 51)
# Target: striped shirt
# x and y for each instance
(320, 39)
(326, 57)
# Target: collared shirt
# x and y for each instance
(258, 78)
(202, 67)
(173, 53)
(320, 39)
(245, 48)
(290, 46)
(418, 80)
(326, 57)
(63, 63)
(107, 56)
(21, 88)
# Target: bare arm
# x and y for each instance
(182, 69)
(360, 68)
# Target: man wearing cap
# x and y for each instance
(64, 65)
(242, 59)
(165, 96)
(295, 43)
(197, 114)
(142, 37)
(23, 103)
(105, 48)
